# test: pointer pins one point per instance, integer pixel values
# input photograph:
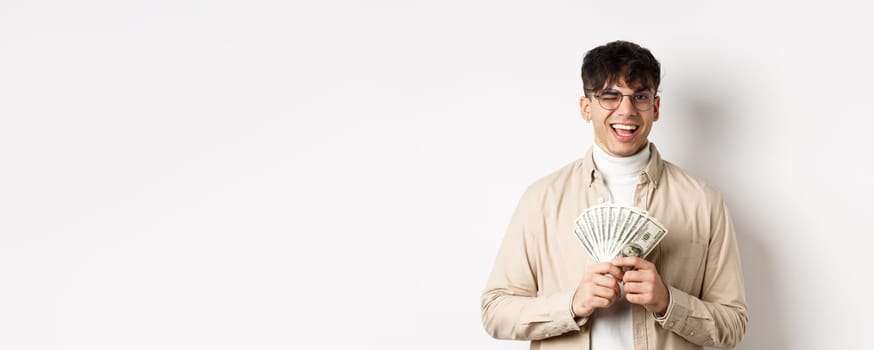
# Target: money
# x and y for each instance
(610, 231)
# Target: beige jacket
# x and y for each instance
(540, 263)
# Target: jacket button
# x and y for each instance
(600, 199)
(671, 324)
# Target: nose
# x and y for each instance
(626, 107)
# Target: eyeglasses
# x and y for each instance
(610, 100)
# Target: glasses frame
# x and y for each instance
(621, 96)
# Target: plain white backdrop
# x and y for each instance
(339, 174)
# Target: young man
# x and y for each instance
(686, 294)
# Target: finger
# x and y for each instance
(633, 262)
(638, 276)
(604, 292)
(638, 288)
(605, 281)
(600, 268)
(598, 302)
(634, 298)
(639, 299)
(615, 271)
(606, 269)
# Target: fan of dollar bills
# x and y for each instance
(611, 231)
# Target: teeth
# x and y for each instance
(624, 127)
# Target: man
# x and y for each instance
(686, 294)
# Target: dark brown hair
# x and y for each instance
(609, 64)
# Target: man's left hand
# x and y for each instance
(643, 285)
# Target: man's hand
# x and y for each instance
(643, 285)
(596, 290)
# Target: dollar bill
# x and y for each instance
(609, 231)
(643, 242)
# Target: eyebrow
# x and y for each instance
(635, 91)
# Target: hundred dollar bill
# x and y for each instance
(583, 239)
(623, 218)
(609, 231)
(584, 235)
(644, 240)
(614, 225)
(600, 235)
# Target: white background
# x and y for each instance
(262, 175)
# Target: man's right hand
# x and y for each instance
(599, 288)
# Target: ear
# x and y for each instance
(655, 108)
(585, 108)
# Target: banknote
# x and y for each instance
(649, 235)
(609, 231)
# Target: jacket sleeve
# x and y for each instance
(511, 305)
(717, 317)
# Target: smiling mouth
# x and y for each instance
(624, 131)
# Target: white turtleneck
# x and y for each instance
(621, 173)
(612, 327)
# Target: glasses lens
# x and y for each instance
(642, 101)
(609, 99)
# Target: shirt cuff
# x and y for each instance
(661, 320)
(579, 320)
(678, 310)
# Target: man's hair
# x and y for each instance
(609, 64)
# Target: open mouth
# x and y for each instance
(624, 132)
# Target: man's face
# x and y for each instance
(623, 131)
